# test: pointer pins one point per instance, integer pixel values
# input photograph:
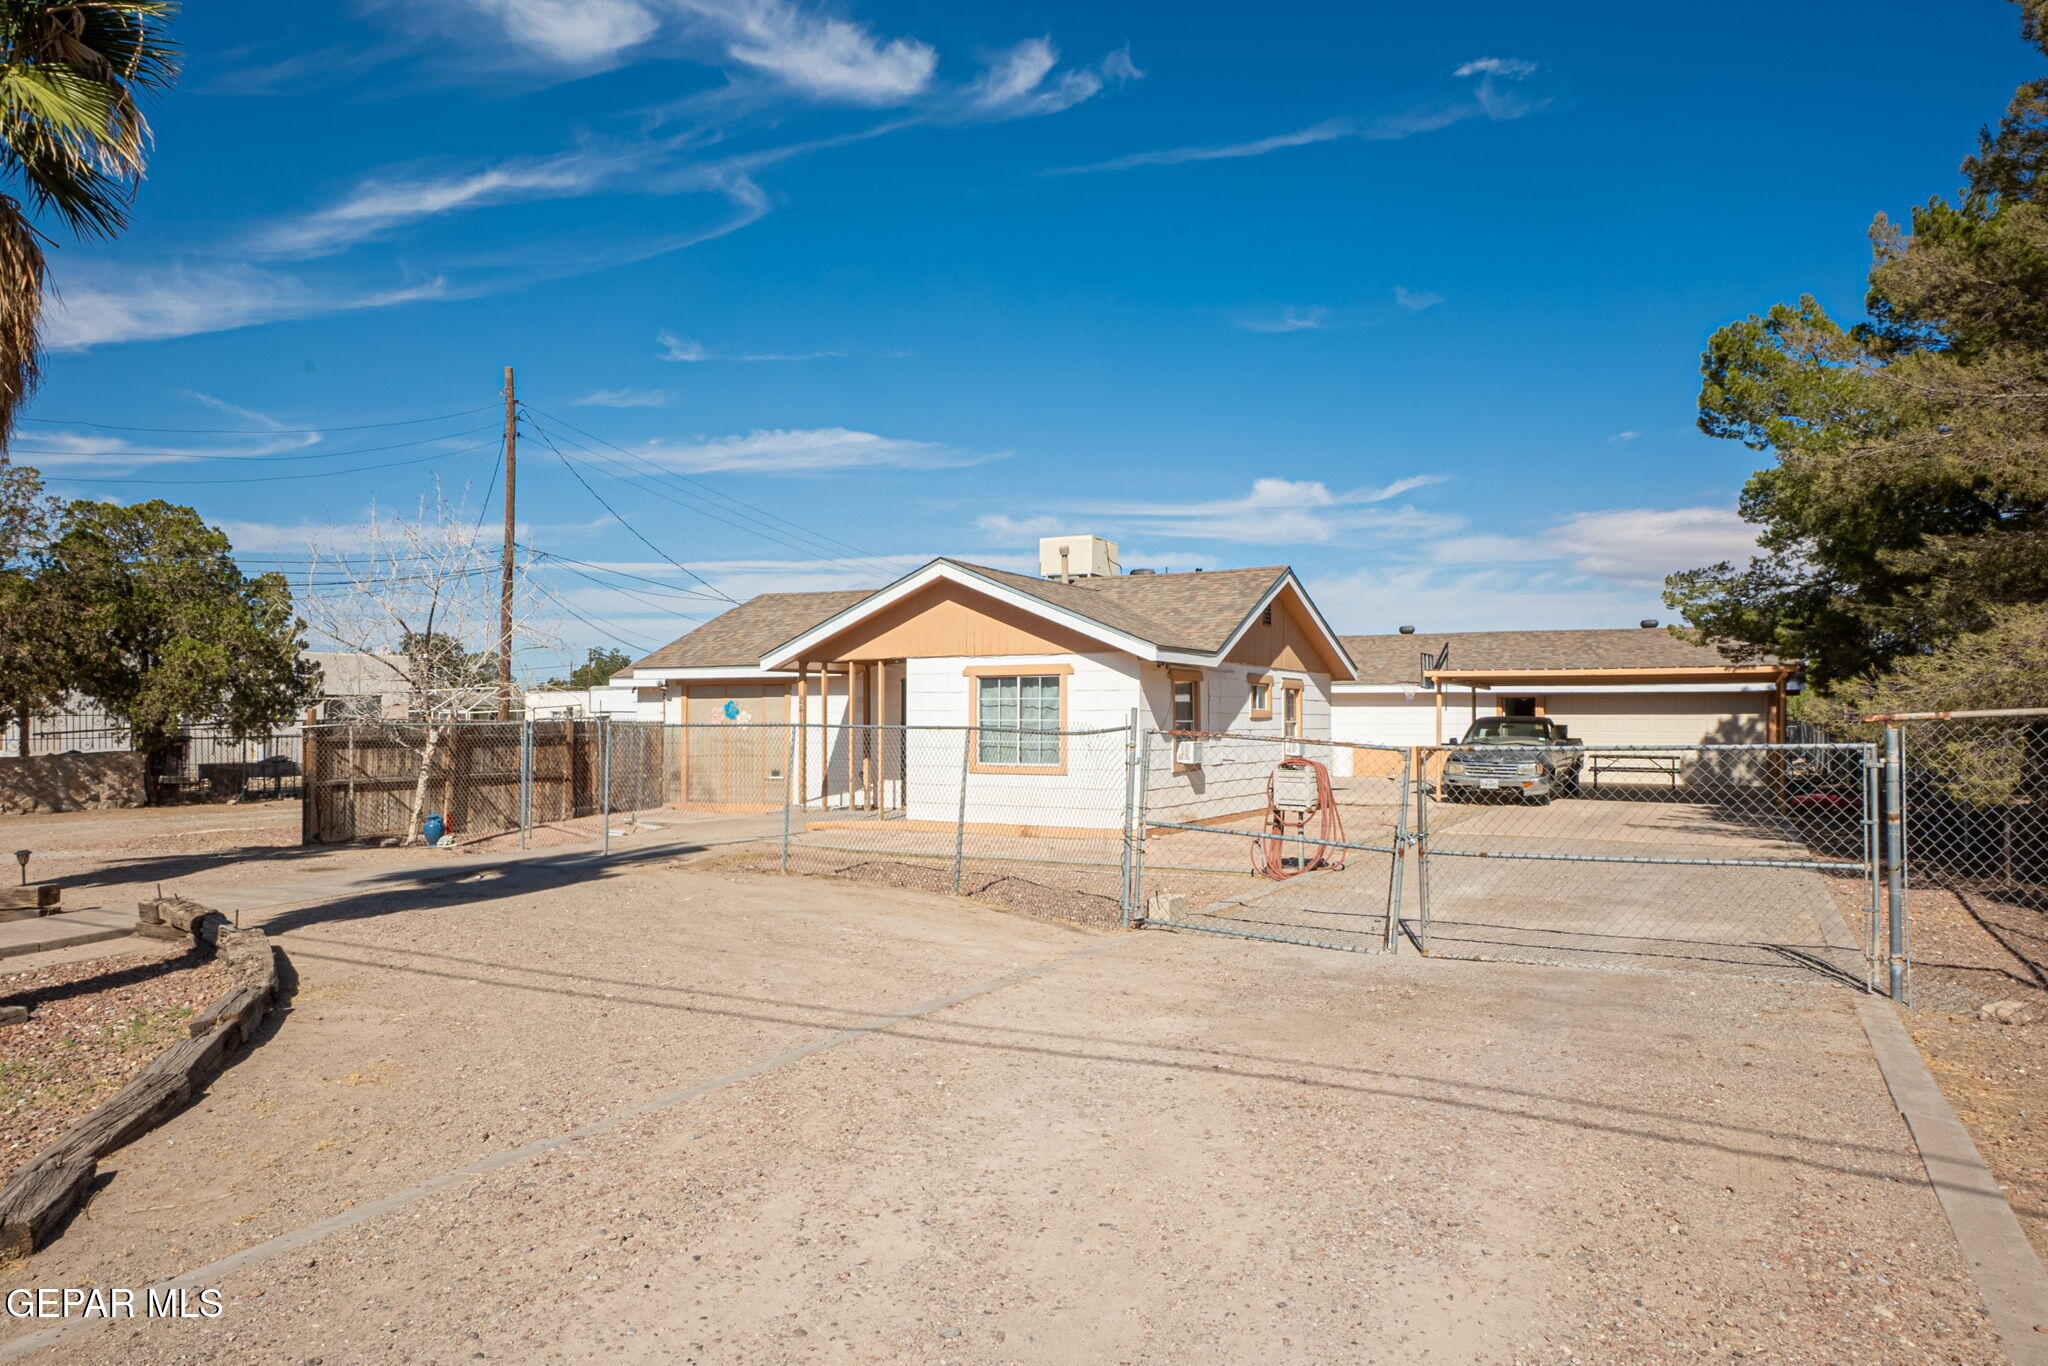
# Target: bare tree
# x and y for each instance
(413, 593)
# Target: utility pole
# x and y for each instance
(505, 566)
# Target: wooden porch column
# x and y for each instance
(856, 765)
(1439, 713)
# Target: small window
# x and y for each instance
(1290, 714)
(1262, 698)
(1187, 706)
(1019, 720)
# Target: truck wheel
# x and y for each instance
(1543, 800)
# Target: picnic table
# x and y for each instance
(1661, 765)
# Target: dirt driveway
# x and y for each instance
(836, 1123)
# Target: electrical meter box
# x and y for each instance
(1294, 788)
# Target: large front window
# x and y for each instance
(1020, 720)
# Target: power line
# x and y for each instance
(818, 542)
(636, 594)
(570, 466)
(254, 431)
(620, 573)
(638, 486)
(715, 492)
(603, 631)
(267, 478)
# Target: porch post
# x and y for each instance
(854, 764)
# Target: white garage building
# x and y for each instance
(1626, 687)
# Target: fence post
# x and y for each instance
(525, 778)
(1403, 836)
(1873, 862)
(788, 778)
(1895, 858)
(1421, 832)
(1143, 741)
(967, 737)
(1128, 898)
(309, 754)
(604, 778)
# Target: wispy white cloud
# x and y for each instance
(1635, 547)
(1022, 82)
(687, 351)
(1273, 512)
(102, 303)
(1624, 436)
(1641, 545)
(1328, 131)
(573, 32)
(1488, 99)
(815, 450)
(826, 58)
(1414, 301)
(1514, 68)
(1312, 319)
(1477, 599)
(625, 398)
(384, 203)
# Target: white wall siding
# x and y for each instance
(1388, 719)
(1099, 695)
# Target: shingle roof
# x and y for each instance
(740, 637)
(1398, 658)
(1185, 611)
(1182, 611)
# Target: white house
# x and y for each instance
(1035, 663)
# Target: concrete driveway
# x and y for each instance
(663, 1115)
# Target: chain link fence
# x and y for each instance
(1273, 837)
(1755, 859)
(1758, 859)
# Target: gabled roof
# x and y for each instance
(740, 636)
(1190, 617)
(1398, 658)
(1194, 611)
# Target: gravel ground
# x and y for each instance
(1174, 1147)
(1972, 947)
(91, 1026)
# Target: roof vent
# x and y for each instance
(1407, 630)
(1648, 623)
(1144, 571)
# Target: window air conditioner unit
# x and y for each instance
(1187, 753)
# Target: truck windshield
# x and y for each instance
(1510, 729)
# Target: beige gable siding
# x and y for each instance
(1289, 643)
(948, 621)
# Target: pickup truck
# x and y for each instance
(1531, 757)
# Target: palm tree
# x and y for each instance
(73, 137)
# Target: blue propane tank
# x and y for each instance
(433, 827)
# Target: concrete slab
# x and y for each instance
(64, 930)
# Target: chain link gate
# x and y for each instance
(1271, 837)
(1761, 860)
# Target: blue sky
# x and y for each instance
(1408, 297)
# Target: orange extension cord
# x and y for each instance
(1269, 855)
